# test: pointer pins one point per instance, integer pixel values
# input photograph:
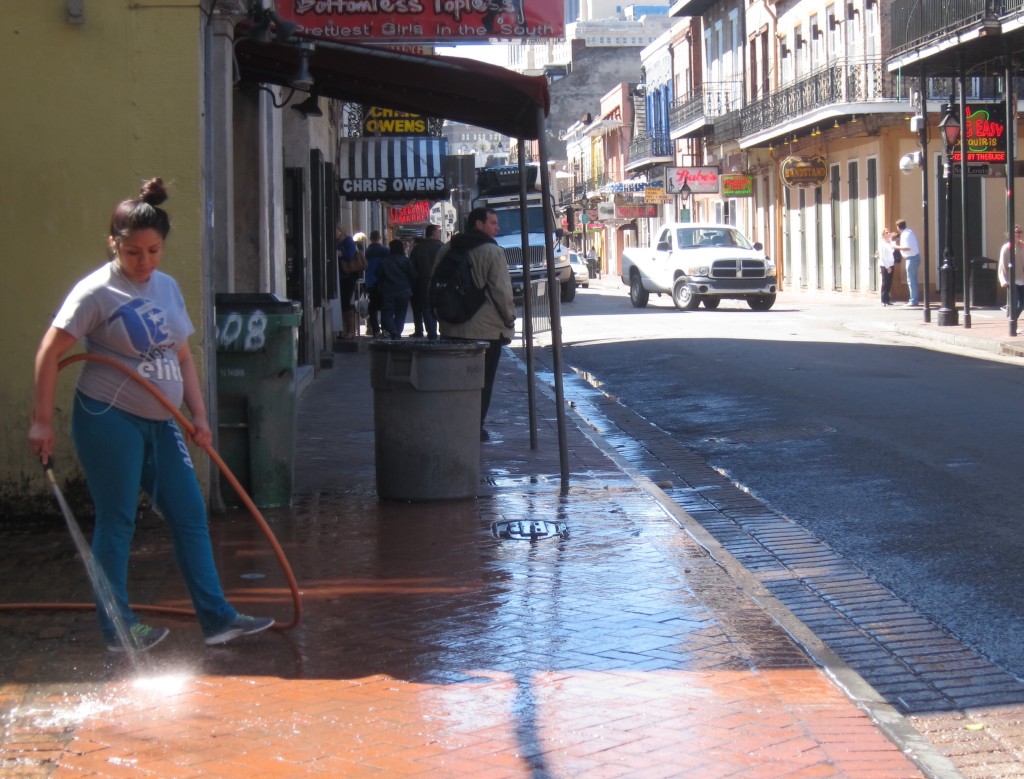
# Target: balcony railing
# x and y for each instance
(917, 22)
(711, 100)
(843, 82)
(649, 149)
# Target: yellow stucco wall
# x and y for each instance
(90, 111)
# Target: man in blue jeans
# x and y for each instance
(906, 243)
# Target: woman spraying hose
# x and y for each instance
(130, 311)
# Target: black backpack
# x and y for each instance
(454, 295)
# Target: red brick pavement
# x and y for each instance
(429, 647)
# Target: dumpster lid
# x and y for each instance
(268, 302)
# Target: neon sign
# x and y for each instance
(984, 132)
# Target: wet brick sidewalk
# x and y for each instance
(428, 647)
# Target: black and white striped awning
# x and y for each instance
(396, 168)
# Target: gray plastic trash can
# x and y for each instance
(426, 418)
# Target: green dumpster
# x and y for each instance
(257, 338)
(426, 418)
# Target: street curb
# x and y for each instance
(897, 728)
(958, 338)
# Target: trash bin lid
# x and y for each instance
(438, 346)
(267, 302)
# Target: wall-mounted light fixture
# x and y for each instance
(784, 51)
(799, 40)
(817, 32)
(310, 106)
(851, 12)
(833, 23)
(76, 11)
(303, 78)
(265, 20)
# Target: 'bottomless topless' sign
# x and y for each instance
(420, 20)
(392, 168)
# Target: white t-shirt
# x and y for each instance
(142, 326)
(908, 240)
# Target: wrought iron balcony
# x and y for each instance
(915, 23)
(650, 150)
(693, 114)
(846, 82)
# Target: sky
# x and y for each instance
(494, 53)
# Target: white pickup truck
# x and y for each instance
(697, 263)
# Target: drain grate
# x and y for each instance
(529, 530)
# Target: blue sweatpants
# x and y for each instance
(120, 453)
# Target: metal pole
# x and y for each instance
(1011, 214)
(947, 281)
(524, 230)
(553, 300)
(967, 270)
(926, 233)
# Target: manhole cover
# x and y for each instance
(529, 530)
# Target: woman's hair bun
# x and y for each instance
(153, 192)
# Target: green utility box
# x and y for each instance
(426, 418)
(257, 350)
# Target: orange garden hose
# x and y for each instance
(225, 471)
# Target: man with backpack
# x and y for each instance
(494, 317)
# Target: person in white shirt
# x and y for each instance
(887, 265)
(906, 243)
(1018, 267)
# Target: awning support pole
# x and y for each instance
(531, 372)
(554, 298)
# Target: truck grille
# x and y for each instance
(514, 257)
(737, 269)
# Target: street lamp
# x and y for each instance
(950, 127)
(684, 193)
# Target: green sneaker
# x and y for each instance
(141, 637)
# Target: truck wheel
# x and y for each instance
(761, 302)
(710, 303)
(683, 296)
(568, 293)
(638, 296)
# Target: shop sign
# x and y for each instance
(701, 181)
(636, 211)
(424, 20)
(656, 195)
(605, 211)
(387, 121)
(418, 212)
(985, 134)
(737, 185)
(803, 171)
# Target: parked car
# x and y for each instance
(579, 268)
(700, 263)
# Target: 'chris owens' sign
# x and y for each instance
(803, 171)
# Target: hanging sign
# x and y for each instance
(400, 21)
(388, 121)
(803, 171)
(656, 195)
(985, 134)
(636, 211)
(701, 181)
(417, 212)
(737, 185)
